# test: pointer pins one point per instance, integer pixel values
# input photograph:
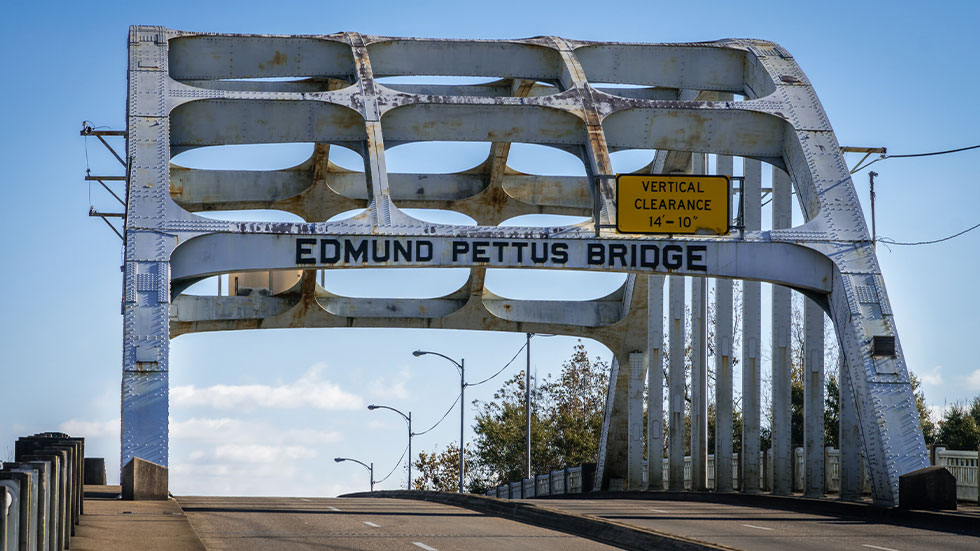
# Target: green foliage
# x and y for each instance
(439, 471)
(928, 427)
(831, 412)
(958, 430)
(566, 421)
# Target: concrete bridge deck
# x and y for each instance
(385, 523)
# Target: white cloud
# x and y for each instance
(307, 391)
(228, 430)
(973, 380)
(391, 386)
(252, 453)
(933, 377)
(91, 429)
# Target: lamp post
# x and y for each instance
(462, 388)
(408, 419)
(370, 467)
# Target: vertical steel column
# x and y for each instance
(676, 382)
(699, 365)
(724, 338)
(699, 384)
(850, 439)
(813, 485)
(751, 334)
(655, 382)
(782, 312)
(527, 406)
(634, 448)
(146, 278)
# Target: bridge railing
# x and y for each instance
(41, 492)
(962, 464)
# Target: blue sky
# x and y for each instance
(892, 74)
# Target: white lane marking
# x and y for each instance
(424, 546)
(758, 527)
(303, 499)
(334, 509)
(659, 511)
(371, 524)
(876, 547)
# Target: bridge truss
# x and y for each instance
(744, 100)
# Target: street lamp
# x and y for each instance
(462, 388)
(370, 467)
(408, 419)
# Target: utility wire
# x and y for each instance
(910, 155)
(395, 467)
(501, 370)
(440, 420)
(888, 241)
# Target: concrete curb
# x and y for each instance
(609, 532)
(960, 522)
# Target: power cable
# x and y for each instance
(440, 419)
(501, 370)
(888, 241)
(910, 155)
(399, 462)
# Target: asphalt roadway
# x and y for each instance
(245, 524)
(755, 528)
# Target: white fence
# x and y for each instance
(963, 465)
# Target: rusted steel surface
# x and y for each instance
(185, 91)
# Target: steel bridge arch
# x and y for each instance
(186, 90)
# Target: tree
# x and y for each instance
(958, 429)
(439, 471)
(928, 427)
(831, 412)
(565, 425)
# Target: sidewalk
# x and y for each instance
(110, 524)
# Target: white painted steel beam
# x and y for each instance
(751, 336)
(813, 383)
(781, 350)
(724, 356)
(655, 382)
(849, 436)
(676, 376)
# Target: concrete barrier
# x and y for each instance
(95, 471)
(144, 480)
(931, 488)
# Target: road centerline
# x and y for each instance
(424, 546)
(371, 524)
(758, 527)
(876, 547)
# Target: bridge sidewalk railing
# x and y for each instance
(576, 480)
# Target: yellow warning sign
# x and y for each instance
(672, 203)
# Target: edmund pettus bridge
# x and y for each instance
(714, 113)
